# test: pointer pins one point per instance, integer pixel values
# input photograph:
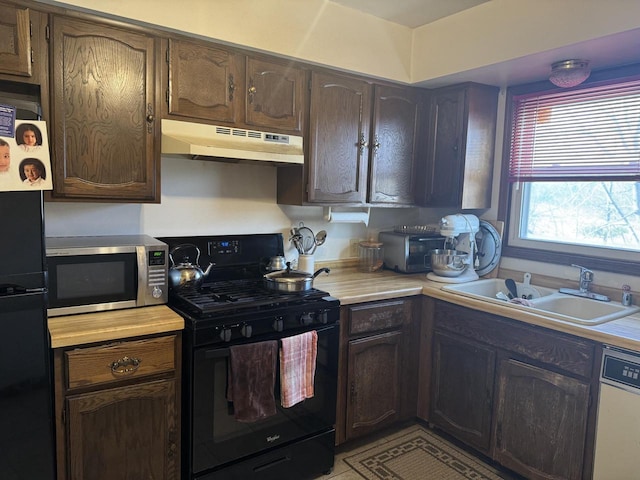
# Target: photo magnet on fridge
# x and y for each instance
(25, 163)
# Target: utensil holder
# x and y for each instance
(306, 263)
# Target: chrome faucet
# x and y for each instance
(586, 277)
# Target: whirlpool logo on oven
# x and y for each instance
(273, 438)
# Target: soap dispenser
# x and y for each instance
(626, 295)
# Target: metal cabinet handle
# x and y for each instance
(232, 87)
(362, 144)
(252, 90)
(125, 366)
(376, 143)
(150, 118)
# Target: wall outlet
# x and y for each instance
(353, 247)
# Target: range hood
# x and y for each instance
(230, 144)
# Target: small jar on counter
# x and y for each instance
(371, 256)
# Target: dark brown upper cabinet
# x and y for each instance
(104, 130)
(459, 164)
(210, 82)
(275, 95)
(393, 145)
(24, 50)
(204, 81)
(15, 40)
(362, 145)
(340, 119)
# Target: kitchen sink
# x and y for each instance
(488, 289)
(546, 301)
(582, 310)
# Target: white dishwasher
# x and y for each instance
(617, 449)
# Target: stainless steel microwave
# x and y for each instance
(409, 253)
(93, 274)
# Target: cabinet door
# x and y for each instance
(394, 145)
(541, 421)
(275, 95)
(103, 83)
(373, 383)
(462, 389)
(338, 139)
(203, 82)
(445, 161)
(15, 40)
(124, 433)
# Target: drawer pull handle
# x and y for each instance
(125, 366)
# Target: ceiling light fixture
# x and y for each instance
(569, 73)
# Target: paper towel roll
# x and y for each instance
(347, 217)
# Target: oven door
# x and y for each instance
(218, 439)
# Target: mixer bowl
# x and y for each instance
(448, 263)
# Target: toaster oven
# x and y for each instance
(409, 253)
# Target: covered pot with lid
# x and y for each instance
(291, 281)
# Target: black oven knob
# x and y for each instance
(323, 316)
(278, 324)
(225, 334)
(246, 331)
(306, 318)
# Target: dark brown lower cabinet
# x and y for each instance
(377, 384)
(525, 396)
(541, 419)
(463, 388)
(117, 409)
(374, 383)
(123, 432)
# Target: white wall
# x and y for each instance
(323, 32)
(317, 31)
(503, 30)
(213, 198)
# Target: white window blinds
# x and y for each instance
(588, 134)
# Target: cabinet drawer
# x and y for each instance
(566, 352)
(120, 361)
(378, 316)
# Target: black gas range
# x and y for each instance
(233, 306)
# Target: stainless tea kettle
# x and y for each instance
(186, 275)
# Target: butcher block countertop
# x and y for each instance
(112, 325)
(351, 286)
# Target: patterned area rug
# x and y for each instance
(420, 455)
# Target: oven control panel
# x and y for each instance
(224, 247)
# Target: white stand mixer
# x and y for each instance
(460, 233)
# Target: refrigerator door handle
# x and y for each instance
(10, 289)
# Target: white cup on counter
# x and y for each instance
(306, 263)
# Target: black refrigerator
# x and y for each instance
(27, 445)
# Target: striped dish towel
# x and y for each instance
(298, 367)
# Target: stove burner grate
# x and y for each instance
(239, 295)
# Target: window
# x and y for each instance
(572, 184)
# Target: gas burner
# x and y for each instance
(236, 296)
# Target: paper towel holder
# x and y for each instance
(361, 216)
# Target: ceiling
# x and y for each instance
(605, 52)
(411, 13)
